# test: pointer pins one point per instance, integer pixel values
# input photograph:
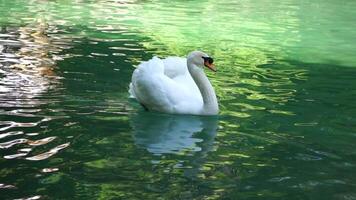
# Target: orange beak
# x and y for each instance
(211, 66)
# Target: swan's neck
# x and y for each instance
(206, 89)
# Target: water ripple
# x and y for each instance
(6, 186)
(4, 135)
(6, 145)
(13, 156)
(48, 154)
(41, 141)
(11, 124)
(49, 170)
(30, 198)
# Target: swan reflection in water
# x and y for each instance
(176, 134)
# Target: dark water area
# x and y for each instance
(285, 84)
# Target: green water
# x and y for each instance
(285, 83)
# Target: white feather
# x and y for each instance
(165, 85)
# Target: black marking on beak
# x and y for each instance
(208, 59)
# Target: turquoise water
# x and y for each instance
(285, 83)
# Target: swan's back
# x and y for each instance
(165, 85)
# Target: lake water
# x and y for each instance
(285, 83)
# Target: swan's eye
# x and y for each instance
(208, 59)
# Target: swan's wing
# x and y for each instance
(157, 91)
(176, 69)
(175, 66)
(153, 66)
(148, 85)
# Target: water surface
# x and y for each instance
(285, 85)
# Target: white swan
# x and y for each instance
(175, 85)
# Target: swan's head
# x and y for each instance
(201, 59)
